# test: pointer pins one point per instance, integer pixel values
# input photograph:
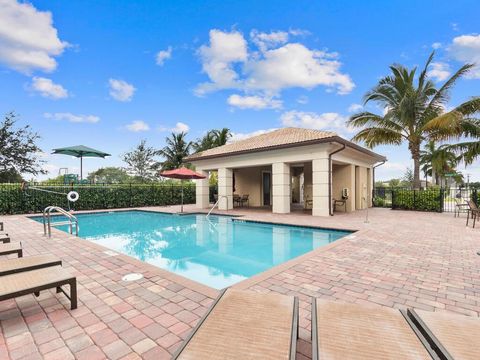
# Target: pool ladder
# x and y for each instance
(218, 200)
(47, 220)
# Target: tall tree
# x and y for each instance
(415, 112)
(109, 175)
(19, 152)
(175, 151)
(142, 161)
(212, 139)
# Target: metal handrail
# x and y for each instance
(218, 200)
(47, 222)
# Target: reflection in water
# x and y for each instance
(217, 251)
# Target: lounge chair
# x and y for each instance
(357, 332)
(11, 248)
(13, 266)
(32, 282)
(245, 325)
(473, 211)
(453, 336)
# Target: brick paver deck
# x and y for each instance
(399, 259)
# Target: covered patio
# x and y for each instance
(290, 169)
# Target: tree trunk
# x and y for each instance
(415, 151)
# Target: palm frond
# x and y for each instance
(374, 136)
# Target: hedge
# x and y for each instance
(14, 200)
(421, 200)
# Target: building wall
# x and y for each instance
(343, 176)
(361, 188)
(249, 181)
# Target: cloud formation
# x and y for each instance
(310, 120)
(253, 102)
(163, 55)
(66, 116)
(121, 90)
(180, 127)
(137, 126)
(242, 136)
(28, 39)
(277, 65)
(466, 49)
(439, 71)
(47, 88)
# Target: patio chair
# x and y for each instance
(352, 331)
(4, 239)
(342, 202)
(13, 266)
(451, 335)
(32, 282)
(245, 325)
(460, 204)
(473, 211)
(11, 248)
(244, 200)
(237, 199)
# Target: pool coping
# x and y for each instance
(195, 285)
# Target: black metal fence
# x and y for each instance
(15, 200)
(430, 199)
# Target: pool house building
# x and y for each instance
(289, 169)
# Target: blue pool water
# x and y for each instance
(219, 251)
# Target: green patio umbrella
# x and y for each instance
(80, 151)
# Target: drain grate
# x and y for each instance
(132, 277)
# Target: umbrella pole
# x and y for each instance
(81, 168)
(182, 196)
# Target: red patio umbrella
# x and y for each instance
(183, 174)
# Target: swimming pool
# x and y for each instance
(217, 251)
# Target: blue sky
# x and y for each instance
(107, 74)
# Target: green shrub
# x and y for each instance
(15, 201)
(421, 200)
(378, 202)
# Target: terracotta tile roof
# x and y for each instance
(272, 139)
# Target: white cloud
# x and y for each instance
(253, 102)
(28, 39)
(391, 170)
(47, 88)
(121, 90)
(163, 55)
(180, 127)
(218, 58)
(241, 136)
(326, 121)
(454, 26)
(270, 71)
(436, 45)
(466, 49)
(355, 108)
(265, 41)
(439, 71)
(72, 117)
(137, 126)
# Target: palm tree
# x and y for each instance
(415, 112)
(212, 139)
(438, 161)
(175, 151)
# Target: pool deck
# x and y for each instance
(398, 259)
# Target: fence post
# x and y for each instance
(475, 196)
(442, 199)
(130, 195)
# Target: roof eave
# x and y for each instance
(334, 138)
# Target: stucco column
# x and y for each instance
(202, 191)
(225, 188)
(320, 196)
(281, 188)
(350, 185)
